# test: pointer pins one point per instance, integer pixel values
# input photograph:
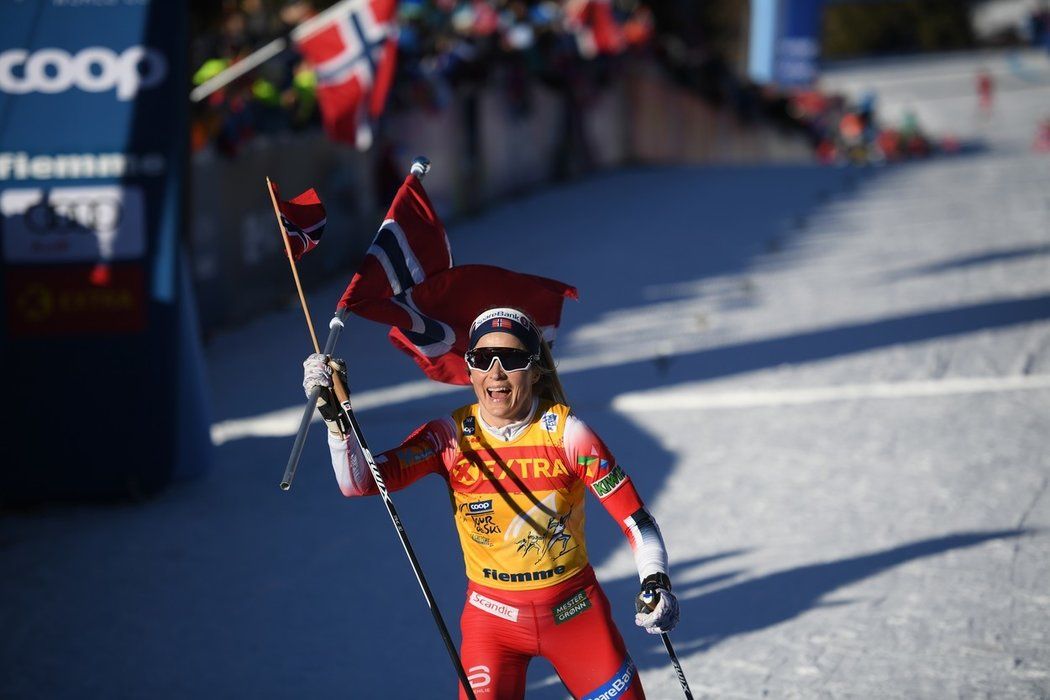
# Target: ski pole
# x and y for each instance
(334, 326)
(420, 166)
(677, 666)
(344, 403)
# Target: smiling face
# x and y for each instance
(504, 397)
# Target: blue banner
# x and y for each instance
(93, 157)
(784, 46)
(798, 43)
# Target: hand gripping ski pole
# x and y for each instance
(334, 327)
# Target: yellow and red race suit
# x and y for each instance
(518, 493)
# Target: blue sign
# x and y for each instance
(97, 324)
(798, 43)
(785, 41)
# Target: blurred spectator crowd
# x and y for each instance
(443, 46)
(455, 47)
(277, 96)
(850, 133)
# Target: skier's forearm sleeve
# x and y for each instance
(421, 453)
(351, 469)
(650, 554)
(597, 467)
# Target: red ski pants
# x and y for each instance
(568, 624)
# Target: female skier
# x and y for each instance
(518, 463)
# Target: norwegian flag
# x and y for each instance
(596, 28)
(407, 281)
(431, 321)
(304, 220)
(352, 48)
(410, 246)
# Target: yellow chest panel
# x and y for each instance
(519, 507)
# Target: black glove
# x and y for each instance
(317, 372)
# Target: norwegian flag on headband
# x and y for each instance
(407, 281)
(352, 48)
(304, 219)
(431, 320)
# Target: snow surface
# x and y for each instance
(831, 386)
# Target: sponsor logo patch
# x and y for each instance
(480, 514)
(479, 677)
(592, 465)
(616, 686)
(480, 507)
(503, 314)
(550, 422)
(524, 575)
(493, 607)
(609, 483)
(408, 456)
(468, 473)
(469, 425)
(572, 607)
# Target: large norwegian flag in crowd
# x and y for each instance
(408, 281)
(352, 47)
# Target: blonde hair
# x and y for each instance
(549, 385)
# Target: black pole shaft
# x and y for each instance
(416, 568)
(677, 666)
(334, 327)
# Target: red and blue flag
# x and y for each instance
(304, 220)
(407, 281)
(352, 47)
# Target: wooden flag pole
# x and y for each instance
(420, 167)
(291, 261)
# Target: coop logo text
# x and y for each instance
(92, 69)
